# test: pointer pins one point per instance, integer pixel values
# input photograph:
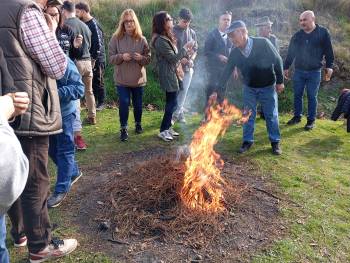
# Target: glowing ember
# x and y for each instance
(203, 184)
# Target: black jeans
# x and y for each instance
(29, 214)
(170, 107)
(98, 85)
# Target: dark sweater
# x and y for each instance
(97, 49)
(81, 28)
(262, 68)
(65, 37)
(308, 50)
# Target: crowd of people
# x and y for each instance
(52, 54)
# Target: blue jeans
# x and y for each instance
(170, 107)
(125, 94)
(62, 153)
(268, 99)
(311, 81)
(4, 254)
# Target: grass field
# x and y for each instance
(313, 172)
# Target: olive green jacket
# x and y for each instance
(168, 57)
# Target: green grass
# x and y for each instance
(313, 171)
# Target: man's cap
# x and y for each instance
(54, 2)
(235, 25)
(264, 21)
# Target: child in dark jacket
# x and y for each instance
(62, 149)
(343, 107)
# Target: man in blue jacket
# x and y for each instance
(62, 149)
(307, 49)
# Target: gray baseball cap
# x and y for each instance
(235, 25)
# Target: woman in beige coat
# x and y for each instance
(129, 52)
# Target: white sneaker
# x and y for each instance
(56, 249)
(165, 136)
(173, 133)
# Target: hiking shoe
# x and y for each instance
(294, 120)
(90, 121)
(245, 147)
(21, 242)
(309, 125)
(55, 199)
(276, 150)
(165, 136)
(138, 128)
(124, 135)
(56, 249)
(75, 179)
(173, 133)
(80, 143)
(100, 107)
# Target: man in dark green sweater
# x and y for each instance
(262, 71)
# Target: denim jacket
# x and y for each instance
(70, 88)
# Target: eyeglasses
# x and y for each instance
(168, 19)
(129, 22)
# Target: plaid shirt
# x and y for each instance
(42, 44)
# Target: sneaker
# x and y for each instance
(138, 128)
(165, 136)
(56, 249)
(245, 147)
(100, 107)
(124, 135)
(181, 118)
(90, 121)
(294, 120)
(276, 150)
(173, 133)
(80, 143)
(309, 125)
(75, 179)
(21, 242)
(55, 199)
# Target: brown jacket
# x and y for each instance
(43, 116)
(131, 73)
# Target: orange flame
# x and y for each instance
(203, 185)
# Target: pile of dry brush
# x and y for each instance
(144, 201)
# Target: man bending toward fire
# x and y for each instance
(262, 71)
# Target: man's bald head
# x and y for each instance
(307, 21)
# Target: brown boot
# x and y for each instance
(90, 120)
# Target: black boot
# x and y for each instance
(309, 125)
(138, 128)
(245, 147)
(276, 150)
(294, 120)
(124, 135)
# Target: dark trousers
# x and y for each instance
(98, 85)
(29, 214)
(62, 153)
(125, 94)
(170, 107)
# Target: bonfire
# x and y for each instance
(203, 184)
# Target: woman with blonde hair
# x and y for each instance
(129, 52)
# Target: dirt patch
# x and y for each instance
(250, 224)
